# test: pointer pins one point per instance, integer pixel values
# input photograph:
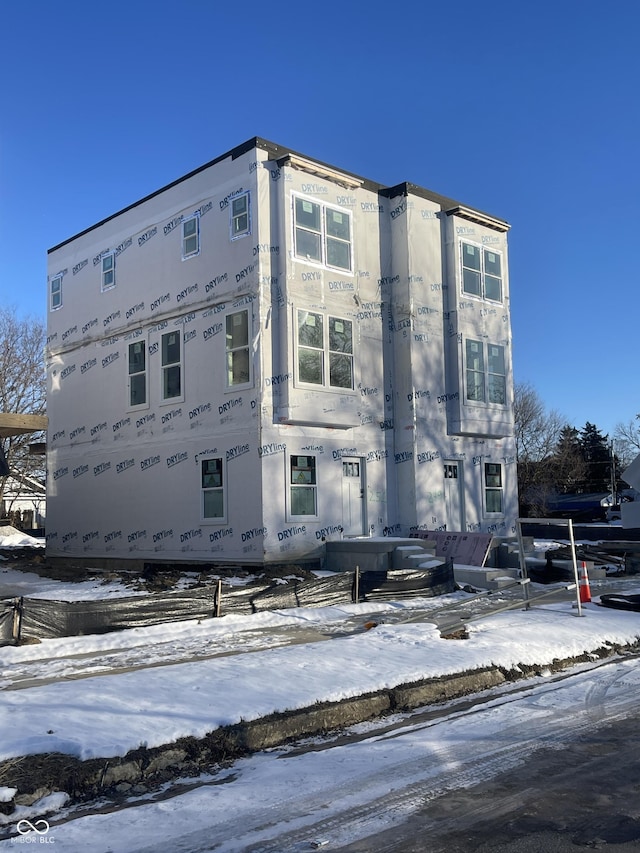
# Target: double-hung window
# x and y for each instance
(303, 496)
(137, 366)
(171, 349)
(56, 292)
(212, 489)
(493, 487)
(190, 236)
(486, 379)
(237, 349)
(496, 374)
(481, 272)
(325, 350)
(108, 266)
(322, 234)
(240, 216)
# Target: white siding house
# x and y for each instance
(270, 353)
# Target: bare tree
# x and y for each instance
(626, 437)
(537, 433)
(22, 388)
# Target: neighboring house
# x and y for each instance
(24, 502)
(270, 353)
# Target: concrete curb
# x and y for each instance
(142, 769)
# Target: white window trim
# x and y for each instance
(323, 235)
(56, 278)
(486, 402)
(289, 485)
(104, 287)
(196, 252)
(486, 488)
(326, 353)
(168, 401)
(249, 384)
(218, 520)
(482, 295)
(145, 405)
(247, 231)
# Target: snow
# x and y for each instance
(242, 667)
(103, 716)
(250, 668)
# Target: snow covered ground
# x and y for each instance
(102, 695)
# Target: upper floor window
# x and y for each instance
(481, 272)
(322, 234)
(55, 287)
(108, 271)
(486, 379)
(493, 487)
(325, 350)
(237, 349)
(137, 367)
(240, 216)
(190, 236)
(171, 349)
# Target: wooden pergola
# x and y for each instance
(11, 424)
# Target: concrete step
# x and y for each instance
(410, 556)
(484, 578)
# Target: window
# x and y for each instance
(108, 271)
(190, 237)
(325, 350)
(137, 354)
(237, 345)
(322, 234)
(56, 292)
(171, 365)
(485, 384)
(212, 487)
(493, 487)
(481, 272)
(475, 371)
(303, 485)
(240, 216)
(496, 378)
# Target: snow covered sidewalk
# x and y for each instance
(109, 715)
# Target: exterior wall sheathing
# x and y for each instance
(124, 483)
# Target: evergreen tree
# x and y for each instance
(597, 458)
(568, 462)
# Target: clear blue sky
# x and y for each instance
(527, 111)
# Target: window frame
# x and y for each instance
(231, 350)
(325, 239)
(144, 372)
(481, 271)
(53, 292)
(487, 381)
(237, 235)
(185, 237)
(493, 489)
(105, 272)
(164, 368)
(297, 488)
(222, 489)
(328, 356)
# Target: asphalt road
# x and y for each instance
(548, 765)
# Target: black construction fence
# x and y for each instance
(22, 619)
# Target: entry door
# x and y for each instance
(353, 502)
(454, 494)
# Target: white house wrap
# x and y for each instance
(270, 353)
